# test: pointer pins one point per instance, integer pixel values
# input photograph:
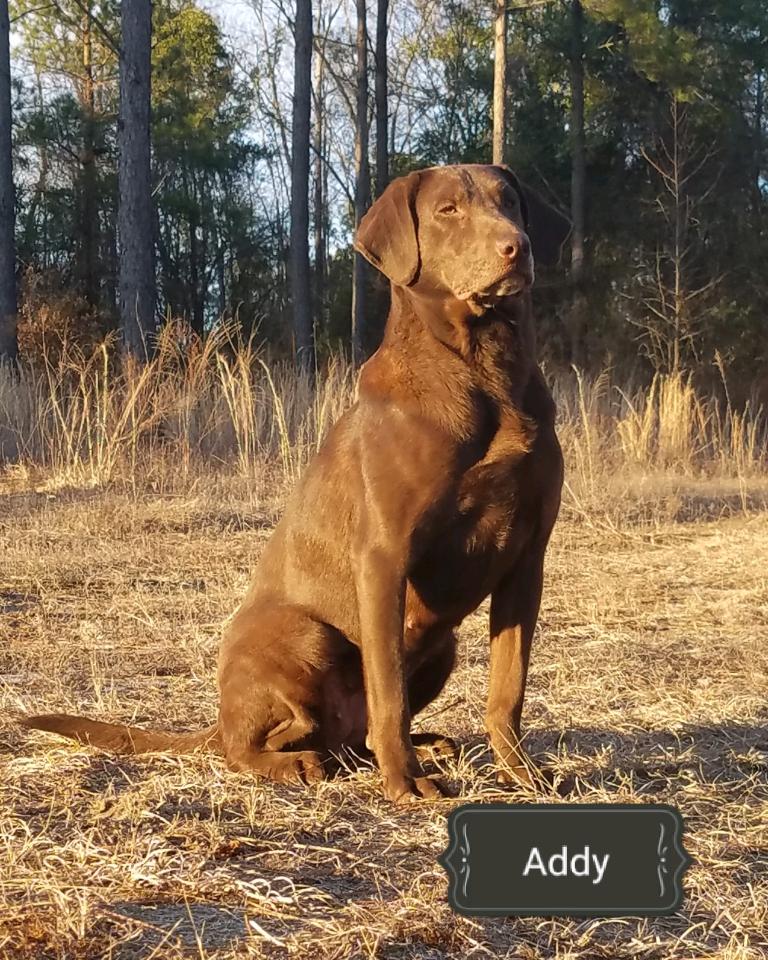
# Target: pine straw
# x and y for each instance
(649, 684)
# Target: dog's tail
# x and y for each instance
(119, 738)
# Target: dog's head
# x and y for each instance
(469, 231)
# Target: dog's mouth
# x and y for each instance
(510, 285)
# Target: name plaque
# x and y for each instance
(565, 859)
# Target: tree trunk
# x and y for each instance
(111, 262)
(382, 99)
(33, 228)
(195, 293)
(301, 289)
(89, 205)
(221, 270)
(362, 183)
(318, 201)
(135, 222)
(8, 306)
(676, 182)
(578, 186)
(500, 82)
(757, 195)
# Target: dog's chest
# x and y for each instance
(486, 512)
(490, 520)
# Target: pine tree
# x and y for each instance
(135, 221)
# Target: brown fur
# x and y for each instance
(437, 489)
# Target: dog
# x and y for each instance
(438, 488)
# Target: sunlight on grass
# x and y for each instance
(223, 406)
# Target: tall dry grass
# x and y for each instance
(221, 405)
(196, 406)
(659, 441)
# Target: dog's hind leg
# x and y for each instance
(271, 669)
(293, 766)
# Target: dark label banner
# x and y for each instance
(565, 859)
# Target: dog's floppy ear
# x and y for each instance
(546, 227)
(387, 235)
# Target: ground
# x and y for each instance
(649, 683)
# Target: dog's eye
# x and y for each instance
(447, 209)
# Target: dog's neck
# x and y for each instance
(438, 354)
(499, 342)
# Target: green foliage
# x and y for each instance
(222, 198)
(195, 96)
(214, 257)
(461, 127)
(208, 231)
(640, 57)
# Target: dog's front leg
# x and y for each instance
(380, 580)
(514, 611)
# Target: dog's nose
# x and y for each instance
(515, 248)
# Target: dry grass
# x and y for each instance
(126, 542)
(218, 407)
(197, 407)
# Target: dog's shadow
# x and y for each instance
(651, 760)
(582, 758)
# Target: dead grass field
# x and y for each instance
(132, 509)
(649, 684)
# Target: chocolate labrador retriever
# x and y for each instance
(438, 488)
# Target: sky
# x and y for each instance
(235, 16)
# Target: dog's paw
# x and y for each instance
(302, 766)
(514, 776)
(411, 789)
(524, 774)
